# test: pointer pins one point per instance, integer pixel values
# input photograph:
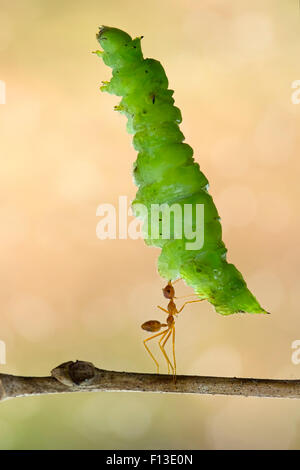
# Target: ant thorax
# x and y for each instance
(172, 307)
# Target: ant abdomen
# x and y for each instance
(152, 325)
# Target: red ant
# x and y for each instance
(155, 325)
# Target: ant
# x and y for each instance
(155, 325)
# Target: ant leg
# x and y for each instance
(185, 296)
(173, 347)
(165, 338)
(189, 302)
(162, 346)
(161, 339)
(148, 350)
(176, 280)
(163, 309)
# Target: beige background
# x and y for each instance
(66, 295)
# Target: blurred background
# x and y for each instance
(66, 295)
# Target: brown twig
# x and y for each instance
(81, 376)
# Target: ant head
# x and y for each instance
(169, 291)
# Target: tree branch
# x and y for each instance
(81, 376)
